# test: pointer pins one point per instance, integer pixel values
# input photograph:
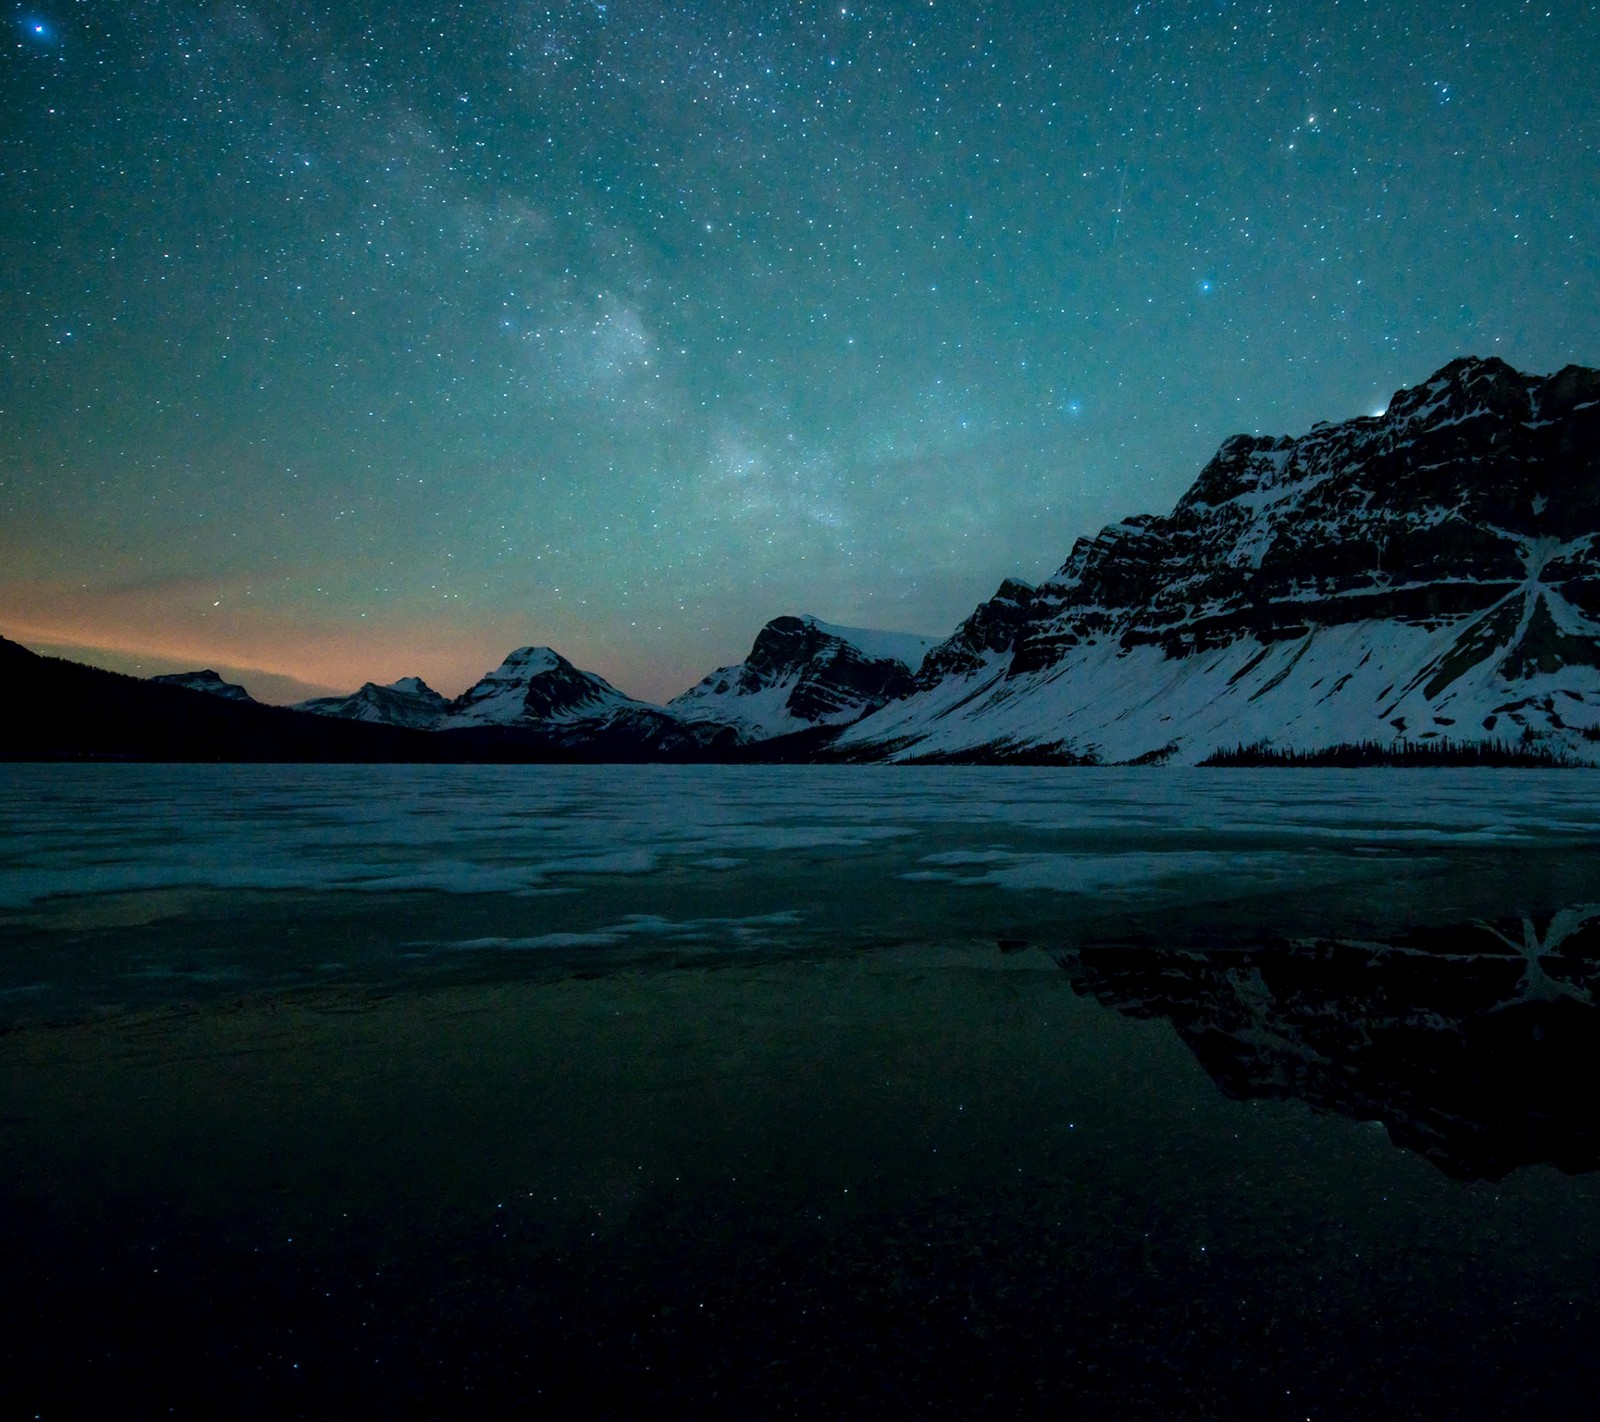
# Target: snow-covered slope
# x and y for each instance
(407, 702)
(207, 681)
(803, 672)
(908, 648)
(1433, 572)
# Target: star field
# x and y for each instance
(349, 342)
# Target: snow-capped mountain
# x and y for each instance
(803, 672)
(207, 681)
(1429, 573)
(535, 686)
(407, 702)
(540, 694)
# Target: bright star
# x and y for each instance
(38, 30)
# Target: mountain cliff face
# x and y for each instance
(1431, 573)
(407, 702)
(802, 673)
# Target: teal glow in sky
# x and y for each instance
(348, 342)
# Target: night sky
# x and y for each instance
(344, 342)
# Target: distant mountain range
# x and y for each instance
(1417, 584)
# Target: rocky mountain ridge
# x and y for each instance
(535, 693)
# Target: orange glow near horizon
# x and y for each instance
(324, 656)
(324, 663)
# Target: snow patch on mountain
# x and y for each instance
(1335, 685)
(207, 681)
(908, 648)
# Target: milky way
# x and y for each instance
(346, 342)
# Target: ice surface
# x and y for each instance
(84, 830)
(1134, 871)
(747, 930)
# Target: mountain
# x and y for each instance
(804, 673)
(535, 686)
(1473, 1043)
(1431, 574)
(801, 674)
(547, 702)
(407, 702)
(207, 681)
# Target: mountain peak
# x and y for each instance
(535, 686)
(1466, 386)
(412, 686)
(408, 702)
(532, 661)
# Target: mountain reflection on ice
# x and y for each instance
(1476, 1044)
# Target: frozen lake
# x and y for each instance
(125, 885)
(799, 1091)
